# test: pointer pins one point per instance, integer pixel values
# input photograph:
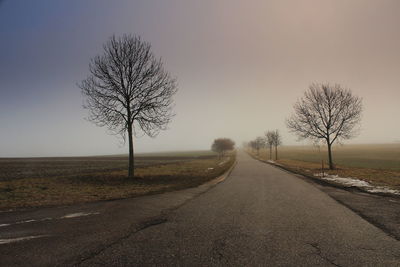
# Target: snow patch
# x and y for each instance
(383, 189)
(348, 181)
(274, 162)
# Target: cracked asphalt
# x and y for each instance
(259, 216)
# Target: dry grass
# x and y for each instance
(377, 164)
(94, 182)
(374, 156)
(377, 177)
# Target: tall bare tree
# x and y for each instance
(327, 112)
(128, 90)
(276, 141)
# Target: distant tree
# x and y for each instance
(128, 90)
(326, 112)
(222, 145)
(257, 144)
(269, 140)
(276, 141)
(245, 145)
(252, 144)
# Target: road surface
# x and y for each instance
(258, 216)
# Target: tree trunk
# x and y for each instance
(270, 152)
(131, 168)
(276, 152)
(331, 166)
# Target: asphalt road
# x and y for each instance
(259, 216)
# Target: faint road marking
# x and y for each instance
(12, 240)
(68, 216)
(79, 214)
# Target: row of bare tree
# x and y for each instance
(269, 140)
(128, 91)
(327, 113)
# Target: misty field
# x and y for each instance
(378, 164)
(382, 156)
(32, 182)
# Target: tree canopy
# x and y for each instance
(128, 90)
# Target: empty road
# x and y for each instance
(258, 216)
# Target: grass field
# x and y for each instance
(378, 164)
(383, 156)
(32, 182)
(17, 168)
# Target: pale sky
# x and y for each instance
(241, 65)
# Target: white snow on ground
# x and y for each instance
(341, 180)
(357, 183)
(274, 162)
(383, 189)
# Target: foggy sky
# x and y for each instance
(240, 65)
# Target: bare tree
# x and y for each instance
(269, 139)
(257, 144)
(128, 90)
(252, 144)
(221, 145)
(276, 141)
(326, 112)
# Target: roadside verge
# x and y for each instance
(33, 192)
(328, 182)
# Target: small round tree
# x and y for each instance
(221, 145)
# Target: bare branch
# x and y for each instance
(128, 89)
(326, 112)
